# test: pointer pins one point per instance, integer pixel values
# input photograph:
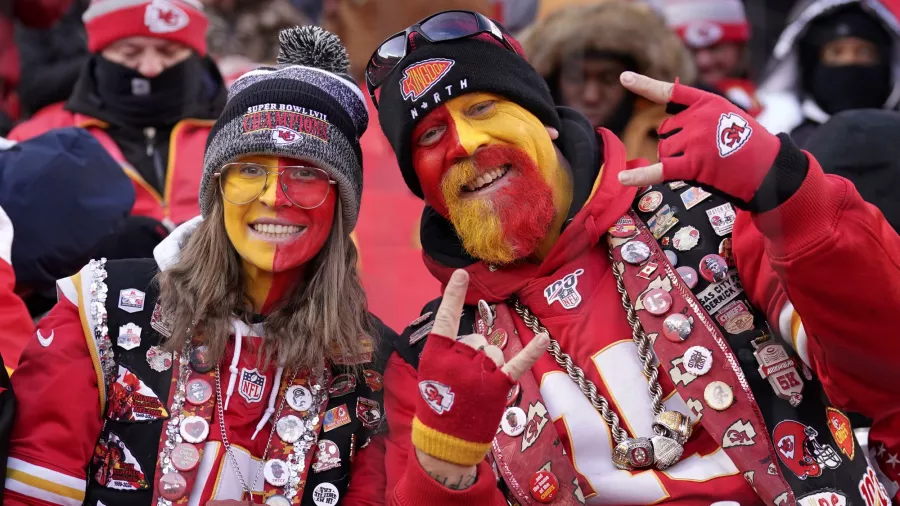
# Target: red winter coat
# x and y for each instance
(34, 14)
(833, 255)
(59, 418)
(178, 203)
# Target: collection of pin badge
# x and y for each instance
(734, 316)
(544, 485)
(188, 426)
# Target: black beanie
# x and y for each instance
(435, 73)
(847, 21)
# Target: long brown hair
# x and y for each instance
(324, 316)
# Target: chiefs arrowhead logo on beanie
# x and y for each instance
(432, 74)
(182, 21)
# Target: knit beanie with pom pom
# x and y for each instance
(306, 107)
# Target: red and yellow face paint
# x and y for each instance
(274, 237)
(491, 168)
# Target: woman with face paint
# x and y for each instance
(239, 365)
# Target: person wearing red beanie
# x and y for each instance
(716, 32)
(149, 93)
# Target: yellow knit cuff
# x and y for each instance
(446, 447)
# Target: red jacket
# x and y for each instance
(32, 13)
(817, 248)
(178, 203)
(59, 380)
(14, 318)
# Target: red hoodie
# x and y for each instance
(795, 250)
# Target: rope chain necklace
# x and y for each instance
(671, 429)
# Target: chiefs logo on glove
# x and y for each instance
(707, 141)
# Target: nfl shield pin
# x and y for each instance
(565, 291)
(129, 336)
(252, 385)
(131, 300)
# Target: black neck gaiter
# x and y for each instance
(846, 87)
(130, 99)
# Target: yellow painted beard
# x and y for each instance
(476, 221)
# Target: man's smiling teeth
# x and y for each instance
(486, 179)
(270, 229)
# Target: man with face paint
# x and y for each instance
(238, 366)
(149, 93)
(661, 306)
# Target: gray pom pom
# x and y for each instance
(311, 46)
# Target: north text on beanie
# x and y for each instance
(432, 74)
(182, 21)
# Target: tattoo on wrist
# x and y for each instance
(460, 482)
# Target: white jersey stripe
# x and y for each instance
(42, 483)
(797, 340)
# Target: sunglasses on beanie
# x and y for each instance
(441, 27)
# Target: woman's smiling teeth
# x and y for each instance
(485, 179)
(273, 230)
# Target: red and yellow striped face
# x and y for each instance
(490, 167)
(272, 234)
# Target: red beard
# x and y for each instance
(524, 206)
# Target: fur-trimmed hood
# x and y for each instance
(629, 28)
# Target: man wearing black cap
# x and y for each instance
(831, 58)
(654, 377)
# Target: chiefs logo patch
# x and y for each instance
(731, 135)
(438, 396)
(840, 428)
(537, 419)
(420, 77)
(162, 16)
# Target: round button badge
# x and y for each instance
(278, 500)
(513, 395)
(194, 429)
(650, 202)
(672, 257)
(198, 391)
(688, 275)
(713, 268)
(289, 428)
(697, 360)
(325, 494)
(200, 360)
(299, 398)
(185, 457)
(544, 487)
(657, 302)
(513, 422)
(172, 486)
(635, 252)
(718, 395)
(677, 327)
(276, 472)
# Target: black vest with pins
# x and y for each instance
(142, 438)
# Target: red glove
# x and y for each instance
(461, 399)
(711, 143)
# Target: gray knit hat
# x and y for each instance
(307, 107)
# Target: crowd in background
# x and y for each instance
(813, 68)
